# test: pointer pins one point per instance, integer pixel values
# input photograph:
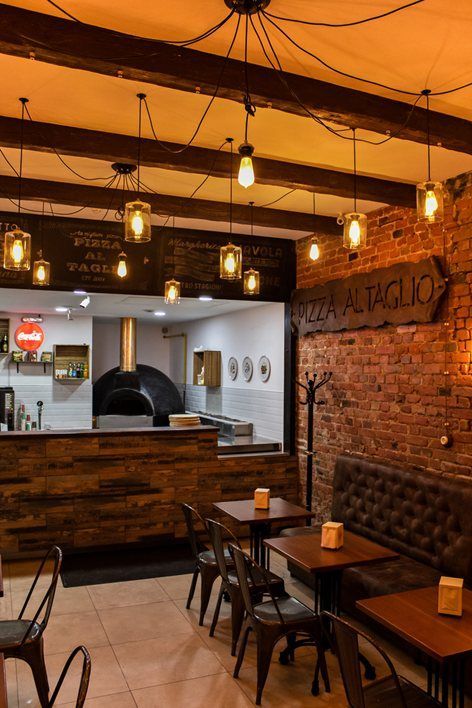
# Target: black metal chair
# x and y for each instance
(391, 691)
(272, 620)
(23, 638)
(230, 583)
(205, 561)
(84, 678)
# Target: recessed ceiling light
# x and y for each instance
(205, 298)
(61, 309)
(160, 313)
(80, 292)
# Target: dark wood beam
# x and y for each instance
(101, 198)
(81, 46)
(46, 137)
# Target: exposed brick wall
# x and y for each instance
(386, 398)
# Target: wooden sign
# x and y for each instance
(84, 254)
(402, 293)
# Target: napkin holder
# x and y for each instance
(450, 596)
(262, 498)
(332, 535)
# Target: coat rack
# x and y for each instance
(313, 383)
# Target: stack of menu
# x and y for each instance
(183, 420)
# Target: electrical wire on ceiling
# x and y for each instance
(343, 24)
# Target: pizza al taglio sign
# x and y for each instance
(399, 294)
(29, 337)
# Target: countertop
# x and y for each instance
(103, 431)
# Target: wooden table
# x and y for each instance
(260, 520)
(446, 641)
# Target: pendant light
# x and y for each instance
(429, 194)
(41, 268)
(138, 213)
(122, 267)
(172, 286)
(246, 150)
(314, 252)
(251, 277)
(17, 243)
(230, 255)
(355, 223)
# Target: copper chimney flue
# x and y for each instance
(128, 344)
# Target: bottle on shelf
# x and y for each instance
(22, 418)
(4, 343)
(28, 422)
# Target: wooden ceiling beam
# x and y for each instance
(164, 204)
(99, 145)
(77, 45)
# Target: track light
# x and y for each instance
(85, 302)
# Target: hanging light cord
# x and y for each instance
(427, 93)
(22, 126)
(251, 204)
(344, 24)
(231, 190)
(355, 168)
(142, 97)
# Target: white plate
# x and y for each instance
(263, 366)
(232, 368)
(247, 368)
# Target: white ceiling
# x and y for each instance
(424, 45)
(107, 306)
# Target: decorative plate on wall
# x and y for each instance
(247, 368)
(232, 368)
(263, 366)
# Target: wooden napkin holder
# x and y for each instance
(332, 535)
(262, 498)
(450, 596)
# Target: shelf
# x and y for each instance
(67, 354)
(44, 364)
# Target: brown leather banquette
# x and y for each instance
(427, 518)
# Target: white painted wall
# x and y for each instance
(255, 332)
(65, 405)
(152, 348)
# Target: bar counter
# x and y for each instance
(91, 488)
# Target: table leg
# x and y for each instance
(259, 552)
(445, 684)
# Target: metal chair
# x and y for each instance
(23, 638)
(391, 691)
(84, 678)
(205, 562)
(272, 620)
(230, 583)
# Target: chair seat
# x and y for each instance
(13, 631)
(291, 609)
(208, 557)
(259, 581)
(384, 694)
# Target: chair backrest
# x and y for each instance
(217, 531)
(346, 638)
(250, 573)
(43, 611)
(84, 678)
(192, 517)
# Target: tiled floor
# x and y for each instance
(148, 650)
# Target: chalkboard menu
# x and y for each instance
(84, 254)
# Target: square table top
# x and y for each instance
(306, 552)
(413, 615)
(244, 512)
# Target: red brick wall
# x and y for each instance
(386, 398)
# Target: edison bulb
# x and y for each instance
(355, 233)
(41, 274)
(230, 263)
(171, 294)
(137, 223)
(122, 270)
(246, 172)
(17, 251)
(314, 250)
(251, 282)
(430, 204)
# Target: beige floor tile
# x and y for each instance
(193, 614)
(66, 600)
(106, 677)
(219, 691)
(133, 592)
(137, 622)
(65, 632)
(117, 700)
(177, 587)
(165, 660)
(12, 683)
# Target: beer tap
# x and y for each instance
(40, 405)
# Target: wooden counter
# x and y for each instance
(84, 488)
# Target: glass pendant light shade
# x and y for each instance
(137, 222)
(41, 271)
(430, 202)
(251, 282)
(172, 292)
(246, 176)
(231, 261)
(314, 251)
(355, 231)
(17, 250)
(122, 268)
